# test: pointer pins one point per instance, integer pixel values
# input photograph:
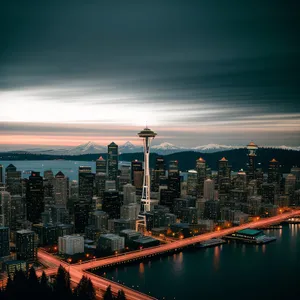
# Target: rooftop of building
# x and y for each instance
(110, 236)
(201, 159)
(250, 232)
(223, 159)
(15, 262)
(23, 231)
(273, 160)
(145, 240)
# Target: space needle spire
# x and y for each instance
(147, 135)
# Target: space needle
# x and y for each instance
(147, 135)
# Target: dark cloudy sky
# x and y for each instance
(197, 72)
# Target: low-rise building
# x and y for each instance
(111, 242)
(71, 244)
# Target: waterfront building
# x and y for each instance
(111, 242)
(71, 244)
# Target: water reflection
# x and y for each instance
(263, 247)
(216, 258)
(141, 268)
(178, 262)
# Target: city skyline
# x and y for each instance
(196, 72)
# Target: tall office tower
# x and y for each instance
(201, 176)
(209, 189)
(268, 193)
(61, 183)
(224, 169)
(273, 171)
(34, 197)
(111, 204)
(101, 166)
(129, 194)
(192, 183)
(13, 180)
(5, 209)
(17, 211)
(158, 173)
(112, 161)
(146, 203)
(100, 179)
(1, 174)
(212, 210)
(174, 179)
(296, 171)
(74, 189)
(252, 148)
(241, 180)
(49, 185)
(135, 166)
(99, 219)
(4, 241)
(83, 205)
(125, 176)
(290, 187)
(26, 245)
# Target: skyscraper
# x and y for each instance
(252, 148)
(5, 209)
(174, 179)
(201, 176)
(192, 183)
(4, 241)
(13, 180)
(34, 197)
(273, 172)
(112, 161)
(26, 245)
(101, 165)
(209, 189)
(112, 204)
(83, 205)
(158, 173)
(1, 174)
(61, 189)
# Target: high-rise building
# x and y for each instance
(83, 205)
(290, 187)
(129, 194)
(130, 211)
(100, 179)
(111, 242)
(224, 169)
(212, 210)
(61, 184)
(158, 173)
(296, 171)
(13, 180)
(5, 209)
(71, 244)
(192, 183)
(269, 193)
(112, 161)
(174, 180)
(26, 245)
(1, 174)
(209, 189)
(4, 241)
(101, 166)
(201, 176)
(49, 186)
(252, 148)
(34, 197)
(18, 211)
(273, 172)
(135, 166)
(99, 219)
(111, 204)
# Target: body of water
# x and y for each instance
(228, 271)
(68, 167)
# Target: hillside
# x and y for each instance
(236, 157)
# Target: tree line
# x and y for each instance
(26, 285)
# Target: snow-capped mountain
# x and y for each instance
(161, 149)
(128, 147)
(87, 148)
(210, 148)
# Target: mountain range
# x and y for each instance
(161, 149)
